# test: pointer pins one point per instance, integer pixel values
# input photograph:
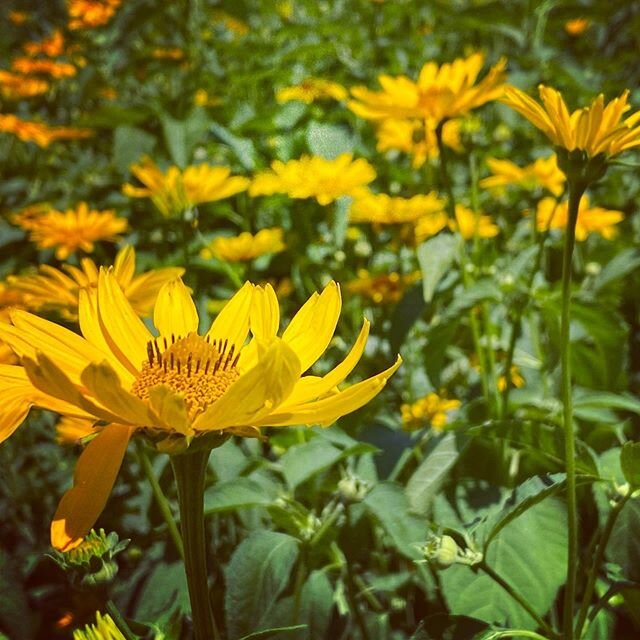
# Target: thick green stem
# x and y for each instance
(575, 194)
(190, 470)
(120, 622)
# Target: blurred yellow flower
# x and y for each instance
(429, 410)
(52, 46)
(379, 208)
(42, 134)
(384, 287)
(167, 53)
(517, 380)
(73, 229)
(43, 66)
(231, 23)
(310, 90)
(470, 224)
(176, 191)
(553, 215)
(104, 629)
(577, 26)
(52, 289)
(544, 173)
(315, 177)
(18, 86)
(246, 246)
(440, 93)
(71, 430)
(594, 129)
(18, 17)
(201, 98)
(9, 298)
(88, 14)
(177, 386)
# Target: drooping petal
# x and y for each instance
(256, 392)
(175, 313)
(93, 480)
(232, 323)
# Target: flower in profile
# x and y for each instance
(42, 134)
(89, 14)
(18, 86)
(43, 66)
(430, 410)
(596, 129)
(577, 26)
(104, 629)
(310, 90)
(315, 177)
(470, 224)
(246, 246)
(384, 287)
(52, 289)
(551, 214)
(380, 208)
(72, 430)
(177, 386)
(174, 191)
(74, 229)
(52, 46)
(440, 93)
(544, 172)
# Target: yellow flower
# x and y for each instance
(58, 290)
(594, 129)
(74, 229)
(42, 134)
(470, 224)
(384, 287)
(201, 98)
(517, 380)
(553, 215)
(51, 68)
(315, 177)
(71, 430)
(416, 138)
(245, 246)
(441, 92)
(379, 208)
(104, 629)
(577, 26)
(312, 89)
(52, 47)
(9, 298)
(177, 386)
(170, 53)
(177, 191)
(544, 173)
(88, 14)
(17, 86)
(431, 409)
(18, 17)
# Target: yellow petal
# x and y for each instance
(171, 408)
(312, 328)
(143, 290)
(326, 411)
(124, 266)
(265, 313)
(232, 323)
(175, 312)
(93, 480)
(256, 392)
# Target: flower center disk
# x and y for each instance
(198, 369)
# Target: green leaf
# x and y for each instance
(630, 463)
(316, 603)
(624, 544)
(442, 625)
(15, 615)
(270, 633)
(427, 479)
(242, 147)
(239, 493)
(621, 265)
(436, 256)
(129, 145)
(405, 315)
(341, 220)
(181, 136)
(534, 564)
(328, 140)
(164, 593)
(256, 575)
(585, 399)
(390, 507)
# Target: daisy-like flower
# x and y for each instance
(178, 386)
(553, 215)
(596, 129)
(58, 289)
(384, 287)
(469, 224)
(381, 208)
(74, 229)
(104, 629)
(312, 89)
(315, 177)
(176, 191)
(544, 173)
(42, 134)
(440, 93)
(431, 409)
(246, 246)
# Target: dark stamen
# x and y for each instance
(150, 353)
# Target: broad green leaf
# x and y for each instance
(630, 463)
(129, 145)
(436, 256)
(624, 543)
(605, 400)
(239, 493)
(427, 479)
(242, 147)
(302, 461)
(407, 312)
(328, 140)
(181, 136)
(164, 593)
(387, 503)
(270, 633)
(620, 265)
(534, 565)
(257, 574)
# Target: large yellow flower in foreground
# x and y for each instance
(595, 129)
(440, 93)
(246, 246)
(544, 172)
(179, 385)
(175, 191)
(315, 177)
(58, 290)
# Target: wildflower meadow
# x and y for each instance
(319, 320)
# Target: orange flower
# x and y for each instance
(52, 47)
(43, 66)
(577, 26)
(17, 86)
(42, 134)
(88, 14)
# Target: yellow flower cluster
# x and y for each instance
(380, 208)
(315, 177)
(312, 89)
(14, 85)
(429, 410)
(384, 287)
(104, 629)
(543, 173)
(42, 134)
(88, 14)
(53, 68)
(52, 46)
(246, 246)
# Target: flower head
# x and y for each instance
(383, 209)
(104, 629)
(429, 410)
(470, 224)
(51, 46)
(43, 66)
(312, 89)
(315, 177)
(88, 14)
(384, 287)
(18, 86)
(246, 246)
(42, 134)
(577, 26)
(596, 129)
(74, 229)
(544, 173)
(178, 386)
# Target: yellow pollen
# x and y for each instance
(199, 370)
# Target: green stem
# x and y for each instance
(516, 596)
(160, 498)
(120, 622)
(576, 189)
(190, 471)
(597, 563)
